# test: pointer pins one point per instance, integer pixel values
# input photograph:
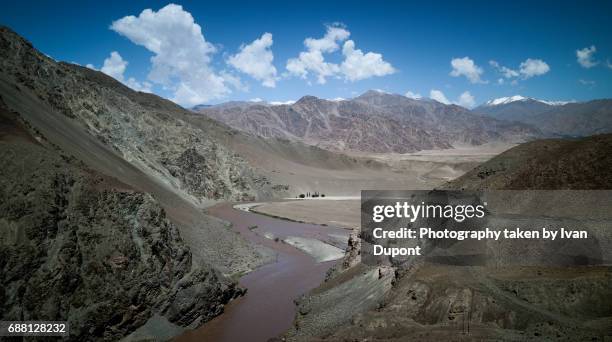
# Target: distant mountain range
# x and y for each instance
(553, 117)
(372, 122)
(519, 98)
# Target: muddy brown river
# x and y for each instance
(268, 308)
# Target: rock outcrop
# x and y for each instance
(80, 246)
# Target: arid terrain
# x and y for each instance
(372, 122)
(134, 218)
(437, 301)
(179, 160)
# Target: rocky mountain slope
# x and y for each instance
(576, 119)
(565, 119)
(372, 122)
(515, 108)
(84, 247)
(139, 139)
(545, 164)
(145, 129)
(431, 300)
(169, 168)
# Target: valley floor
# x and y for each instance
(340, 213)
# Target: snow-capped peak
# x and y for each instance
(280, 103)
(556, 103)
(505, 100)
(515, 98)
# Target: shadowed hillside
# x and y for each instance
(545, 164)
(80, 246)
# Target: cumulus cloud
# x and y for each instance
(329, 43)
(358, 66)
(312, 59)
(439, 96)
(182, 56)
(355, 66)
(255, 60)
(114, 66)
(527, 69)
(505, 71)
(145, 87)
(466, 67)
(585, 57)
(533, 67)
(465, 99)
(412, 95)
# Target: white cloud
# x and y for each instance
(465, 99)
(355, 66)
(358, 66)
(412, 95)
(182, 56)
(313, 61)
(466, 67)
(145, 87)
(329, 43)
(608, 64)
(234, 81)
(115, 66)
(585, 57)
(533, 67)
(439, 96)
(255, 60)
(529, 68)
(505, 71)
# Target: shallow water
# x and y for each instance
(268, 308)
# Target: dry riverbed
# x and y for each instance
(343, 212)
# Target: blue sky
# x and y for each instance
(393, 46)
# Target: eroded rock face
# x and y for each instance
(373, 122)
(145, 129)
(439, 303)
(204, 176)
(352, 256)
(79, 246)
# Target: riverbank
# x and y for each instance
(268, 309)
(344, 212)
